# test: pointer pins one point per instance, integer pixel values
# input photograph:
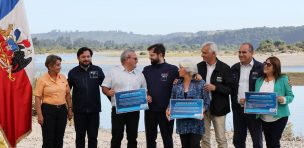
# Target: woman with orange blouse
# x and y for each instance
(52, 93)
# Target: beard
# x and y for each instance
(154, 61)
(85, 64)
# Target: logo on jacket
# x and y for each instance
(12, 47)
(219, 79)
(254, 75)
(94, 74)
(164, 76)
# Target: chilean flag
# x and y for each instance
(16, 72)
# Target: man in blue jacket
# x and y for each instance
(86, 79)
(245, 74)
(159, 76)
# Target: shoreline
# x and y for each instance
(104, 138)
(287, 59)
(105, 59)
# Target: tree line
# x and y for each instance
(264, 39)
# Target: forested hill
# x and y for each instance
(222, 37)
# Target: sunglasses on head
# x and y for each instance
(267, 64)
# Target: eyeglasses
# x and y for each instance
(267, 64)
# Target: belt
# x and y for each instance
(54, 106)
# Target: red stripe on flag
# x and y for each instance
(15, 106)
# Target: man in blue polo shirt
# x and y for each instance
(159, 76)
(85, 80)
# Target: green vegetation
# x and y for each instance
(283, 39)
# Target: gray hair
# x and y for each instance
(125, 54)
(189, 65)
(212, 47)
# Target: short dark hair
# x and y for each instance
(158, 49)
(51, 60)
(83, 49)
(249, 44)
(276, 65)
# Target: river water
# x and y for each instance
(296, 107)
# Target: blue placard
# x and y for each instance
(261, 103)
(186, 108)
(129, 101)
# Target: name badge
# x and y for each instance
(94, 74)
(219, 79)
(254, 75)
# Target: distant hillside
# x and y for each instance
(223, 37)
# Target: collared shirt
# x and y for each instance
(120, 79)
(244, 79)
(52, 91)
(210, 69)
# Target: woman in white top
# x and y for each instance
(273, 81)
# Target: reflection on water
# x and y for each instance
(296, 107)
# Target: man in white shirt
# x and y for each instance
(124, 77)
(245, 73)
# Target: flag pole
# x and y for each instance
(2, 142)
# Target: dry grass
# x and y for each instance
(296, 78)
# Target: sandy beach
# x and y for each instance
(34, 139)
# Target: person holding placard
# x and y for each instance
(273, 81)
(244, 74)
(124, 77)
(190, 130)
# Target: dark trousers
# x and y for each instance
(243, 121)
(86, 123)
(152, 120)
(190, 140)
(53, 127)
(119, 121)
(273, 132)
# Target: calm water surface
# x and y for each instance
(296, 107)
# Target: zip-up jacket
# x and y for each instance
(85, 85)
(255, 73)
(222, 79)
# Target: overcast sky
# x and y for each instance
(161, 16)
